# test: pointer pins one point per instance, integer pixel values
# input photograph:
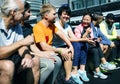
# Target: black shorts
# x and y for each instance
(16, 59)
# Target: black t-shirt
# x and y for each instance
(27, 29)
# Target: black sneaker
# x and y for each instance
(70, 81)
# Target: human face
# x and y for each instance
(27, 14)
(18, 15)
(64, 17)
(86, 21)
(100, 19)
(110, 22)
(51, 16)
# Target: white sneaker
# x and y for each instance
(99, 74)
(76, 78)
(83, 75)
(108, 66)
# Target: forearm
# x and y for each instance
(78, 40)
(46, 47)
(34, 48)
(6, 51)
(64, 38)
(85, 35)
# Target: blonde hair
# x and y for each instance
(7, 6)
(46, 8)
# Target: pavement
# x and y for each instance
(113, 77)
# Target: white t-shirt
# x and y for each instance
(57, 42)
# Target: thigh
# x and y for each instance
(6, 64)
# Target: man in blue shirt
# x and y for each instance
(13, 48)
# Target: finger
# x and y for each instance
(23, 62)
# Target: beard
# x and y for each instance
(52, 21)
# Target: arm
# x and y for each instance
(88, 31)
(104, 31)
(105, 40)
(42, 54)
(72, 37)
(64, 38)
(6, 51)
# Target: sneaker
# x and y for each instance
(70, 81)
(99, 74)
(83, 75)
(76, 78)
(108, 66)
(118, 59)
(113, 62)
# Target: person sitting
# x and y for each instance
(47, 63)
(108, 28)
(15, 56)
(79, 52)
(85, 30)
(43, 33)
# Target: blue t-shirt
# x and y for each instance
(10, 36)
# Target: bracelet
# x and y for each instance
(60, 52)
(26, 52)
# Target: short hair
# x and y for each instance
(7, 6)
(87, 13)
(26, 6)
(110, 16)
(96, 16)
(46, 8)
(64, 7)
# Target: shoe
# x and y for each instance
(118, 59)
(83, 75)
(99, 74)
(70, 81)
(108, 66)
(76, 78)
(113, 62)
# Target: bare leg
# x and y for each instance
(36, 69)
(82, 67)
(68, 68)
(74, 71)
(6, 72)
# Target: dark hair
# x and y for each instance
(96, 16)
(26, 6)
(110, 16)
(87, 14)
(64, 7)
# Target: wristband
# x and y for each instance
(26, 52)
(60, 52)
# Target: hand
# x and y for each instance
(112, 45)
(99, 39)
(71, 51)
(27, 62)
(91, 42)
(65, 53)
(88, 30)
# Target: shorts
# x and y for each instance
(16, 59)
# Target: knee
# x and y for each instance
(50, 65)
(58, 61)
(7, 68)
